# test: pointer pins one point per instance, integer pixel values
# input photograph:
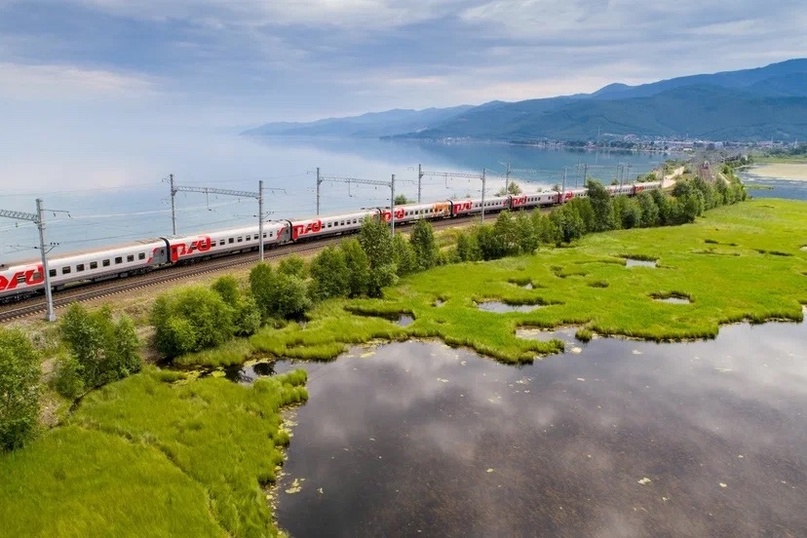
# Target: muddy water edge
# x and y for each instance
(624, 438)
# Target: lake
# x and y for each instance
(118, 213)
(623, 438)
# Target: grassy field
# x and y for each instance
(164, 454)
(154, 455)
(742, 262)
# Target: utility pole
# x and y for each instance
(563, 188)
(483, 195)
(349, 180)
(420, 177)
(319, 182)
(507, 179)
(228, 192)
(39, 220)
(392, 205)
(173, 207)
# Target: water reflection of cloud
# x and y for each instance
(463, 445)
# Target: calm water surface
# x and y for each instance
(139, 206)
(621, 438)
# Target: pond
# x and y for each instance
(630, 262)
(500, 307)
(626, 438)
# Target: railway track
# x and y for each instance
(178, 274)
(108, 288)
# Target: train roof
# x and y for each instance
(54, 255)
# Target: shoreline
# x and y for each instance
(782, 171)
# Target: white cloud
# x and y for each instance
(66, 82)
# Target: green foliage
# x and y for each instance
(229, 290)
(294, 265)
(568, 223)
(401, 199)
(246, 316)
(649, 209)
(424, 245)
(376, 242)
(191, 319)
(330, 276)
(19, 389)
(104, 349)
(602, 206)
(512, 188)
(278, 295)
(528, 240)
(68, 379)
(405, 258)
(468, 247)
(358, 267)
(146, 457)
(629, 211)
(507, 230)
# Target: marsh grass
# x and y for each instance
(731, 286)
(584, 334)
(148, 457)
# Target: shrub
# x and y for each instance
(19, 389)
(191, 320)
(103, 348)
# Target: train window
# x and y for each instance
(79, 267)
(231, 241)
(221, 242)
(130, 258)
(141, 256)
(93, 265)
(264, 235)
(240, 239)
(66, 270)
(52, 272)
(105, 263)
(118, 259)
(249, 237)
(21, 279)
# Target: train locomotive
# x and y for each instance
(27, 279)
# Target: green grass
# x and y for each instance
(740, 262)
(144, 457)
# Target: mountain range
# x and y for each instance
(750, 105)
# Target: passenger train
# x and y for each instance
(26, 279)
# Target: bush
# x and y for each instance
(68, 380)
(19, 389)
(330, 275)
(424, 245)
(103, 348)
(191, 320)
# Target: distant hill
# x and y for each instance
(370, 125)
(753, 104)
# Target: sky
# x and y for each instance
(83, 82)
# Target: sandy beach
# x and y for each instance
(788, 171)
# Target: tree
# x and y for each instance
(424, 245)
(507, 231)
(104, 349)
(527, 235)
(246, 316)
(650, 212)
(405, 258)
(512, 188)
(190, 320)
(358, 267)
(19, 389)
(401, 199)
(277, 294)
(376, 242)
(293, 265)
(329, 274)
(468, 248)
(602, 205)
(568, 223)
